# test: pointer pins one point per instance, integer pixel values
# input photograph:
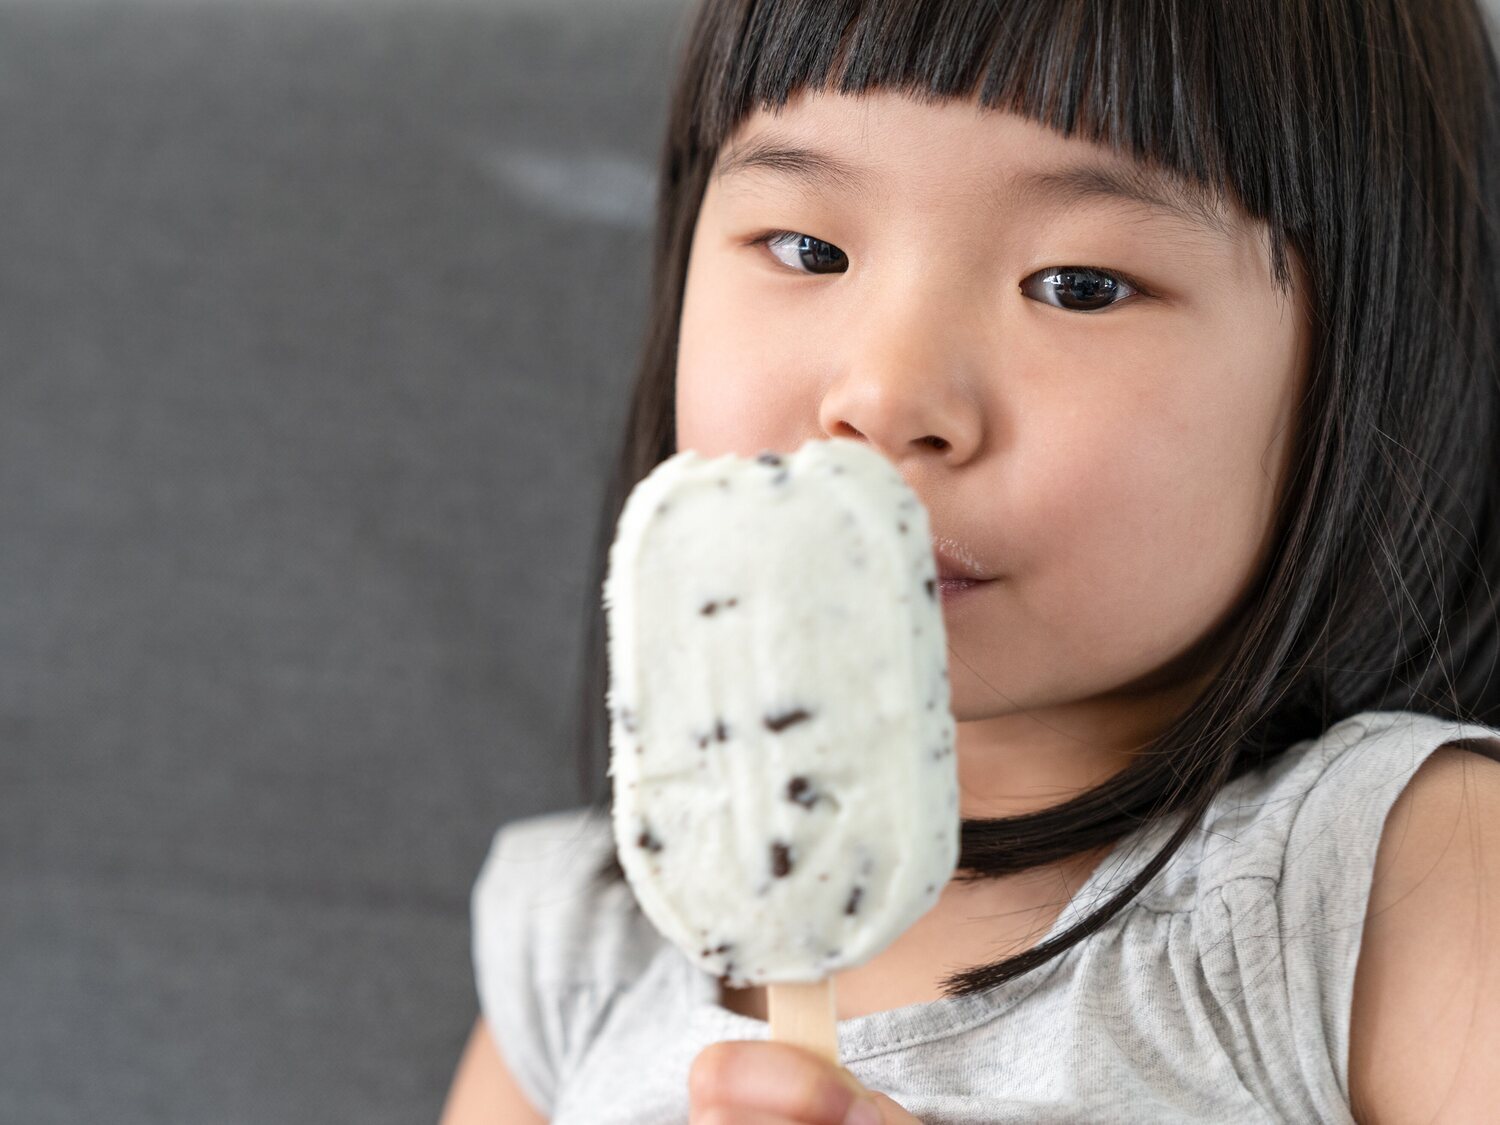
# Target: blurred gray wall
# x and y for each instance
(318, 319)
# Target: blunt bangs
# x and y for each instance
(1177, 86)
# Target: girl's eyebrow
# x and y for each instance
(807, 166)
(1057, 187)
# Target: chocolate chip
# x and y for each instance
(721, 732)
(648, 841)
(852, 906)
(777, 723)
(732, 602)
(800, 791)
(781, 860)
(725, 948)
(627, 719)
(931, 887)
(708, 610)
(703, 742)
(901, 526)
(769, 458)
(932, 589)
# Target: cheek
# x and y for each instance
(725, 403)
(1144, 516)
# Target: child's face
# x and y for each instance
(1116, 469)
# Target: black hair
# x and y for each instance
(1365, 135)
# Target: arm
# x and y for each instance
(1425, 1020)
(483, 1091)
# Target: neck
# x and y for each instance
(1023, 761)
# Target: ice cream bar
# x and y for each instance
(781, 739)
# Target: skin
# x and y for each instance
(1117, 469)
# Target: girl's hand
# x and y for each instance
(755, 1082)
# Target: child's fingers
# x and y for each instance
(727, 1115)
(773, 1078)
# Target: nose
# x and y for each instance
(906, 387)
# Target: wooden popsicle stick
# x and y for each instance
(803, 1015)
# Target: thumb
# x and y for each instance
(889, 1111)
(873, 1110)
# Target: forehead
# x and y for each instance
(856, 144)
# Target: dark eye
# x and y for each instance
(1080, 288)
(802, 252)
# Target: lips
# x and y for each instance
(958, 571)
(953, 585)
(958, 591)
(956, 565)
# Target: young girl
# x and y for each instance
(1181, 318)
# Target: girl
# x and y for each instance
(1180, 316)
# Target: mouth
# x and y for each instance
(957, 589)
(956, 566)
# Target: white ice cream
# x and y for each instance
(782, 744)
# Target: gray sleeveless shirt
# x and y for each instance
(1221, 994)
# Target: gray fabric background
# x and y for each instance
(318, 320)
(318, 317)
